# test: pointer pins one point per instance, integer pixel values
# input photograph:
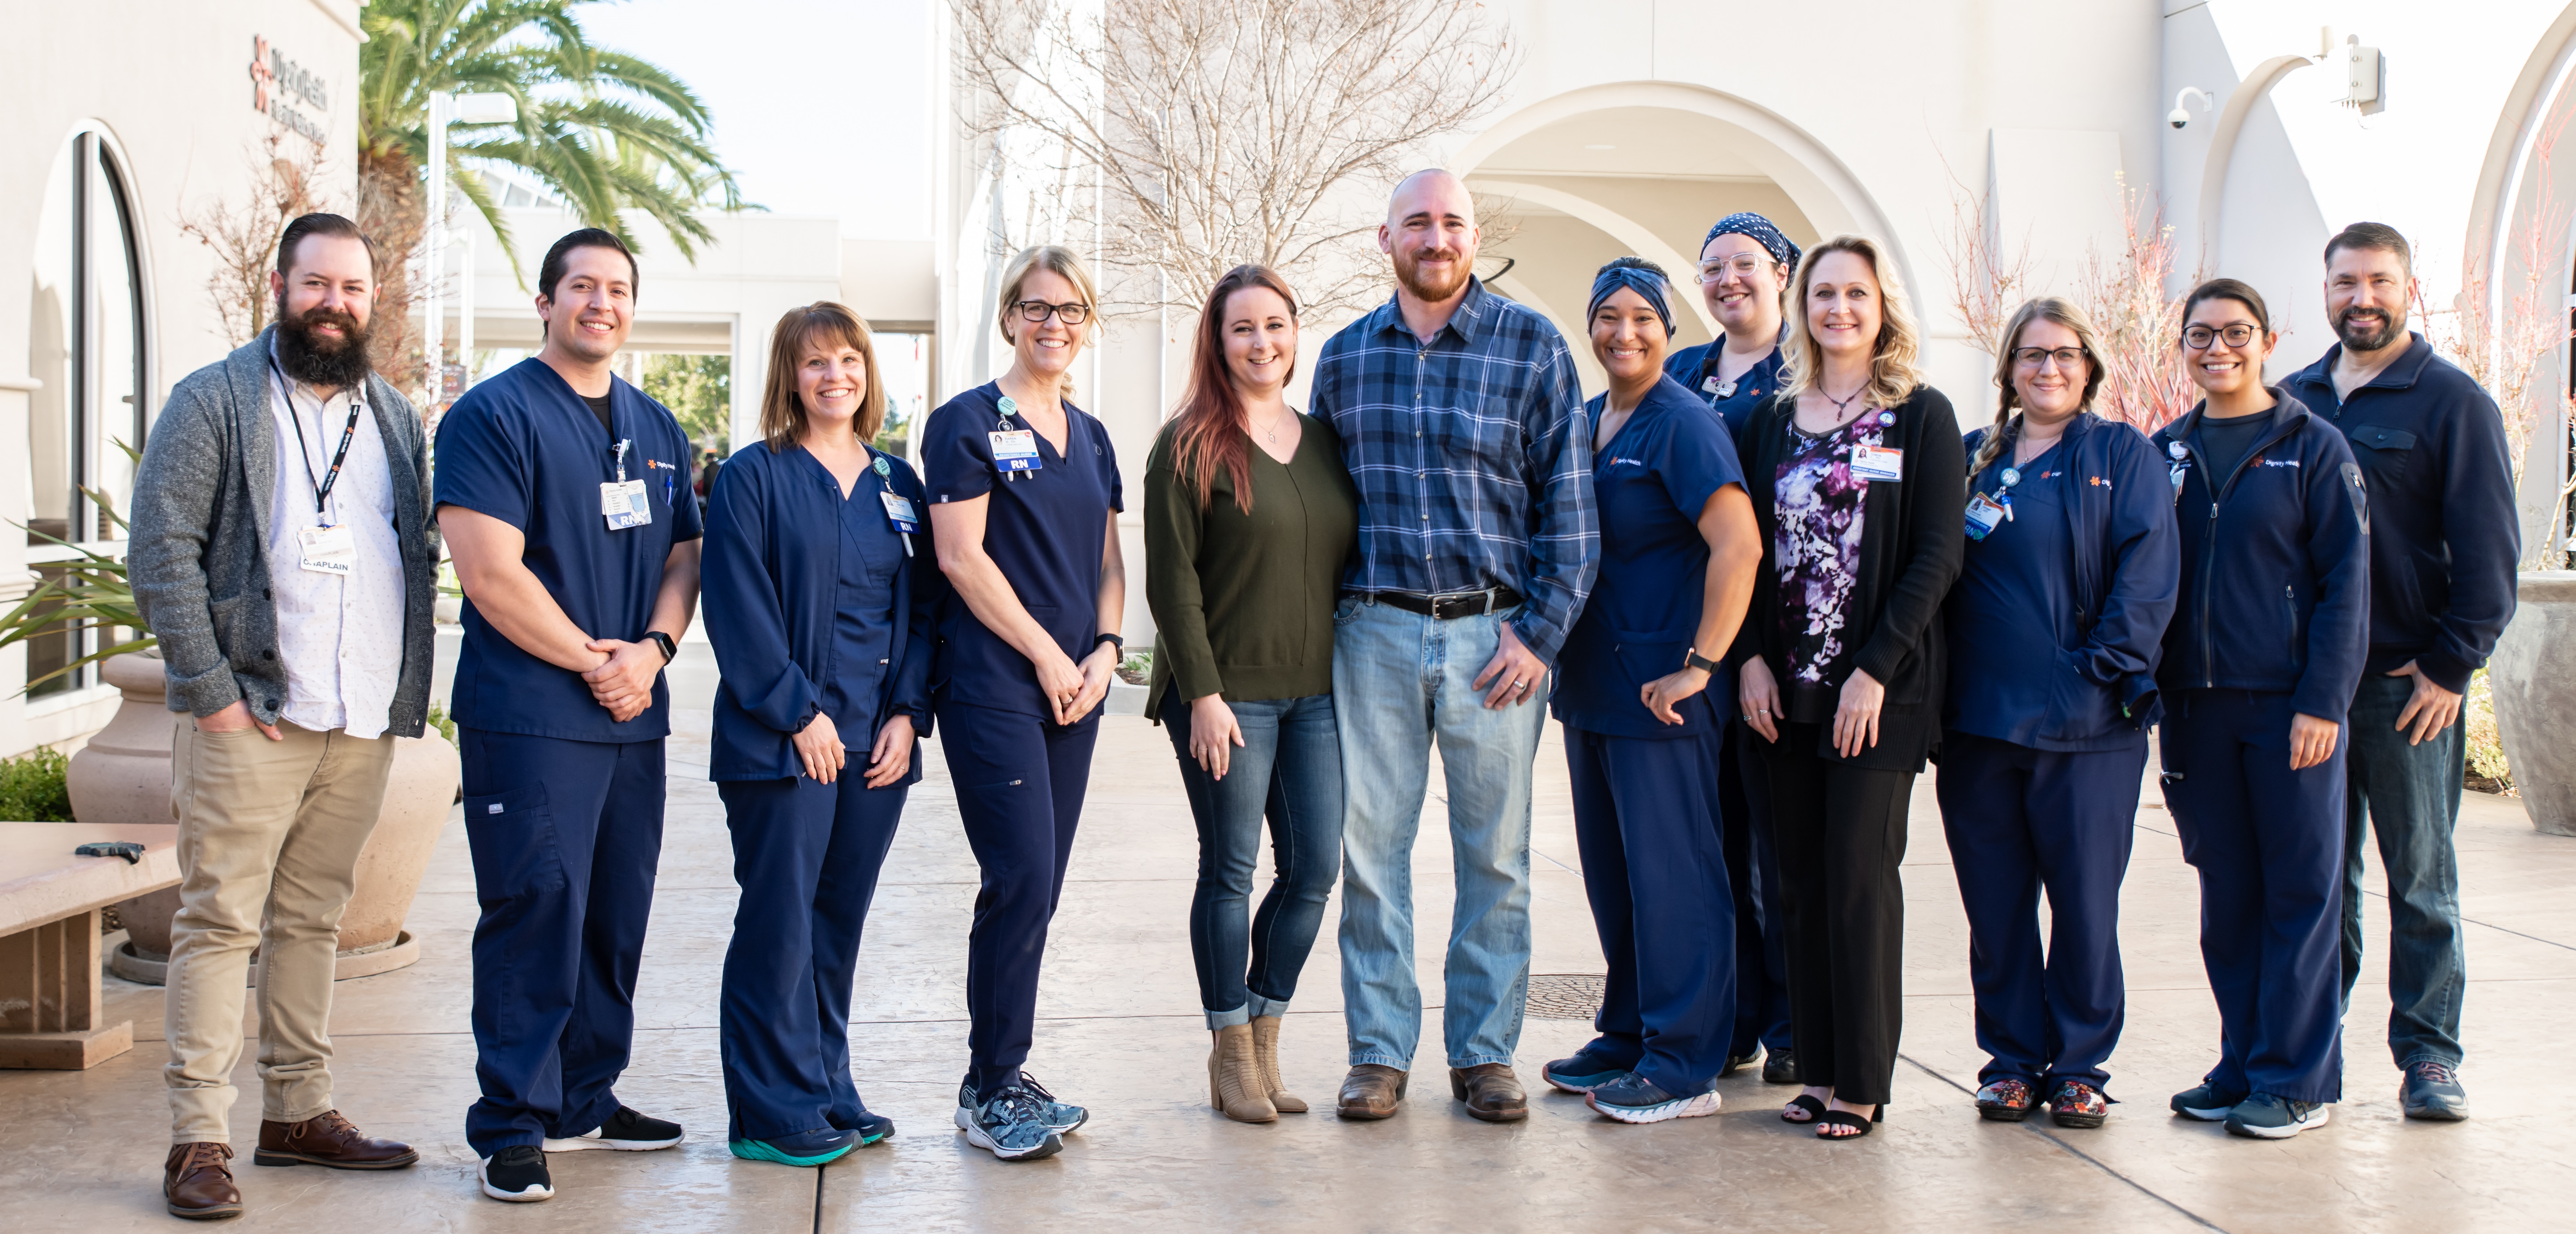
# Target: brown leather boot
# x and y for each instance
(1234, 1084)
(1491, 1092)
(1371, 1091)
(197, 1182)
(1265, 1055)
(328, 1139)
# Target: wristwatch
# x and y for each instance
(1691, 658)
(670, 650)
(1110, 638)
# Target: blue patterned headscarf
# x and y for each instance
(1638, 274)
(1758, 229)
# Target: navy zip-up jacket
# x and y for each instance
(2275, 565)
(2124, 559)
(2444, 536)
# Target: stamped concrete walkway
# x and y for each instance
(1121, 1032)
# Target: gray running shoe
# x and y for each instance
(1008, 1126)
(1056, 1115)
(2432, 1091)
(2267, 1117)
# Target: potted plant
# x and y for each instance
(123, 774)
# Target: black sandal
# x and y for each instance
(1845, 1118)
(1813, 1108)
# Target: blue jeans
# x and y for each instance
(1400, 682)
(1289, 769)
(2410, 795)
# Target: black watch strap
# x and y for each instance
(1691, 658)
(1110, 638)
(670, 650)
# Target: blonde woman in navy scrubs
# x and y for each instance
(1642, 721)
(820, 595)
(1023, 487)
(2055, 624)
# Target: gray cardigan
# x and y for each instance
(199, 560)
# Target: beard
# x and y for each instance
(2368, 329)
(320, 360)
(1408, 271)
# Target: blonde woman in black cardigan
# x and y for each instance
(1854, 469)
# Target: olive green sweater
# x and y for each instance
(1243, 603)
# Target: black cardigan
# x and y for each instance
(1912, 534)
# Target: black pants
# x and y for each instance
(1841, 832)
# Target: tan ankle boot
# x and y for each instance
(1265, 1055)
(1234, 1083)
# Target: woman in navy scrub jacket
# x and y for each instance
(1643, 723)
(1854, 470)
(1023, 485)
(820, 597)
(2260, 665)
(2063, 595)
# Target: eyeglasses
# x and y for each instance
(2198, 338)
(1745, 266)
(2038, 357)
(1035, 311)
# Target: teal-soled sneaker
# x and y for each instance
(1633, 1098)
(872, 1127)
(1008, 1127)
(2206, 1103)
(2432, 1091)
(2266, 1117)
(805, 1148)
(1590, 1068)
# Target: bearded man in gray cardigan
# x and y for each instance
(284, 556)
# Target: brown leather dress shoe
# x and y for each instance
(197, 1182)
(1372, 1091)
(1491, 1092)
(328, 1139)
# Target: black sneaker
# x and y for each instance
(517, 1174)
(1780, 1067)
(626, 1131)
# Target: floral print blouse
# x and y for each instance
(1817, 551)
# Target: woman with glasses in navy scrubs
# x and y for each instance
(2260, 666)
(1642, 721)
(2055, 623)
(1023, 487)
(820, 597)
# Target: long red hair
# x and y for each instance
(1212, 430)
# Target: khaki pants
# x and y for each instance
(269, 834)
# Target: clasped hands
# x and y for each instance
(623, 683)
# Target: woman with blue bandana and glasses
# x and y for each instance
(1642, 695)
(1744, 269)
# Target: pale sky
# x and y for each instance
(822, 107)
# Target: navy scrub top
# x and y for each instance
(523, 448)
(2015, 596)
(1044, 529)
(1651, 482)
(1696, 369)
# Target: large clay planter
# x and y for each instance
(2533, 673)
(123, 775)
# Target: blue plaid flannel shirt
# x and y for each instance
(1472, 459)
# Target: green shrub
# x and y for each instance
(32, 789)
(2488, 771)
(439, 723)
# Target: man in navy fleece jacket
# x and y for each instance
(2443, 546)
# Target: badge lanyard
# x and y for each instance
(330, 547)
(1014, 450)
(898, 508)
(622, 501)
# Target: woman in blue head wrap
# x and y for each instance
(1643, 699)
(1744, 270)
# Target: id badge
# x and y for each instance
(899, 512)
(623, 504)
(1015, 450)
(1877, 463)
(329, 550)
(1983, 516)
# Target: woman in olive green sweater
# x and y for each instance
(1248, 514)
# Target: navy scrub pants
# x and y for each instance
(1743, 818)
(1655, 872)
(2019, 821)
(565, 837)
(1020, 780)
(806, 855)
(2268, 843)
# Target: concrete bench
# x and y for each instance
(49, 944)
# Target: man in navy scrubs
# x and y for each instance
(562, 493)
(2443, 542)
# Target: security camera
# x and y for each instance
(2177, 117)
(2181, 115)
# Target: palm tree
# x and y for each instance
(605, 132)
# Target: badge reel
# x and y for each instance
(1014, 450)
(622, 501)
(898, 508)
(2181, 456)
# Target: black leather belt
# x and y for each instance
(1447, 607)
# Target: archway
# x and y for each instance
(2518, 231)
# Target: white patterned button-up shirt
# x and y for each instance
(341, 638)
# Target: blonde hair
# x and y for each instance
(811, 327)
(1061, 260)
(2058, 311)
(1892, 375)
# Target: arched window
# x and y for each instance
(85, 344)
